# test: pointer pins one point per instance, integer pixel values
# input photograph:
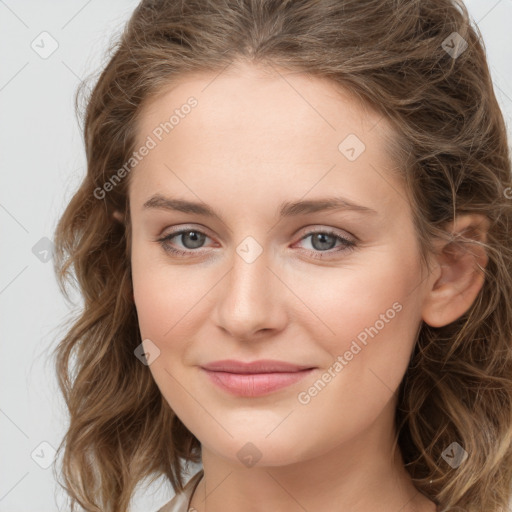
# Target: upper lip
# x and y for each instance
(261, 366)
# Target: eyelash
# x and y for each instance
(349, 245)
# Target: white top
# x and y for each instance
(181, 501)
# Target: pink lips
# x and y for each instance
(255, 378)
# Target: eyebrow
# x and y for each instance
(287, 208)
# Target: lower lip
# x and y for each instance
(255, 384)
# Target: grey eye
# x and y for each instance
(195, 239)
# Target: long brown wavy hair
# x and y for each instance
(452, 151)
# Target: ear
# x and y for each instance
(118, 216)
(458, 279)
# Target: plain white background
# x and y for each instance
(41, 163)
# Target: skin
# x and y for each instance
(258, 138)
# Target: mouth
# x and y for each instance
(256, 378)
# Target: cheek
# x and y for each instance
(355, 299)
(163, 293)
(172, 306)
(154, 304)
(165, 315)
(370, 319)
(375, 327)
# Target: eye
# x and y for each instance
(191, 239)
(324, 241)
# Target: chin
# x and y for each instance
(253, 447)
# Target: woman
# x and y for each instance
(294, 247)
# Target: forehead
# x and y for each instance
(253, 130)
(245, 96)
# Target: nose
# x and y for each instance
(251, 299)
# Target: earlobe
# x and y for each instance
(453, 290)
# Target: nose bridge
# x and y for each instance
(248, 299)
(249, 277)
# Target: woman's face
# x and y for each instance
(261, 273)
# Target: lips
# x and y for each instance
(254, 378)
